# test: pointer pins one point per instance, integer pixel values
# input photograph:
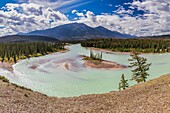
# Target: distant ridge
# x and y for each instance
(159, 36)
(78, 31)
(22, 38)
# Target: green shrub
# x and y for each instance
(4, 79)
(21, 87)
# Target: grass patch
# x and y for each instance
(95, 61)
(4, 79)
(21, 87)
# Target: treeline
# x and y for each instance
(127, 45)
(14, 51)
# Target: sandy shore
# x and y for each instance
(6, 65)
(112, 52)
(107, 51)
(107, 65)
(64, 51)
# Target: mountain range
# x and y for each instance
(78, 31)
(70, 32)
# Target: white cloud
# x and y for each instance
(74, 11)
(62, 5)
(70, 7)
(110, 5)
(29, 17)
(121, 11)
(155, 21)
(54, 4)
(80, 14)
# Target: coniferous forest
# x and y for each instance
(148, 45)
(15, 51)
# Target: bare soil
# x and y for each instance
(107, 51)
(149, 97)
(103, 64)
(6, 65)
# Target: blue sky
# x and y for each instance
(137, 17)
(97, 6)
(3, 2)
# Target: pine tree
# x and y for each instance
(140, 66)
(91, 54)
(3, 56)
(119, 86)
(101, 56)
(123, 84)
(15, 60)
(8, 56)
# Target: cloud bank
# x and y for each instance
(27, 17)
(154, 21)
(62, 5)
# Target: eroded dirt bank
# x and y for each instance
(150, 97)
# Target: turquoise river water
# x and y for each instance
(48, 74)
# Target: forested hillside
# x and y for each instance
(155, 45)
(14, 51)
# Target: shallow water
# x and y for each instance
(52, 78)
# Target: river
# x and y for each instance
(48, 74)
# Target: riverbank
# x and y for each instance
(151, 96)
(102, 64)
(113, 52)
(107, 51)
(8, 65)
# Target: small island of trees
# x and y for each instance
(97, 56)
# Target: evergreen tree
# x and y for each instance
(15, 60)
(101, 56)
(91, 54)
(3, 56)
(119, 86)
(8, 56)
(123, 84)
(12, 51)
(96, 56)
(140, 66)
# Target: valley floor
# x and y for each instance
(151, 97)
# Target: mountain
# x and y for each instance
(22, 38)
(78, 31)
(106, 32)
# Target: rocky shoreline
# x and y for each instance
(151, 97)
